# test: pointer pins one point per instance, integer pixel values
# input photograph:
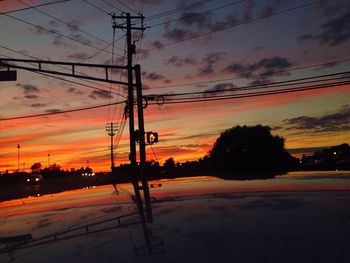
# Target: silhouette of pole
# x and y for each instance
(111, 128)
(131, 50)
(18, 147)
(142, 143)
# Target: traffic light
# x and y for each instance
(151, 137)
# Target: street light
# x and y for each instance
(18, 147)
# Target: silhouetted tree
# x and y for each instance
(249, 148)
(36, 167)
(169, 164)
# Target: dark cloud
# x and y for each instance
(334, 122)
(78, 56)
(202, 21)
(100, 94)
(221, 87)
(53, 110)
(258, 48)
(209, 62)
(29, 91)
(43, 31)
(333, 32)
(31, 97)
(74, 25)
(80, 38)
(143, 53)
(327, 65)
(177, 34)
(74, 91)
(153, 76)
(38, 105)
(53, 24)
(179, 62)
(248, 10)
(262, 70)
(157, 44)
(60, 43)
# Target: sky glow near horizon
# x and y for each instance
(256, 49)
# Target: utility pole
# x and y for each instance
(18, 147)
(142, 143)
(131, 50)
(111, 128)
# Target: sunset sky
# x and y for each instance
(188, 46)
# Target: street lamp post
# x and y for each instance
(18, 147)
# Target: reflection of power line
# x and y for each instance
(93, 228)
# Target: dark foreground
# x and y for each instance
(199, 219)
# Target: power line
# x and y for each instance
(75, 82)
(233, 78)
(238, 24)
(128, 7)
(31, 7)
(269, 85)
(59, 112)
(113, 6)
(179, 9)
(97, 7)
(63, 22)
(197, 14)
(255, 94)
(59, 34)
(104, 48)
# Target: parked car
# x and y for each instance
(34, 179)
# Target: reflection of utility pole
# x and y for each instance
(18, 147)
(112, 128)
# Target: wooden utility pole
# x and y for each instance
(111, 128)
(137, 172)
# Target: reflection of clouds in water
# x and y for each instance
(43, 223)
(274, 203)
(111, 209)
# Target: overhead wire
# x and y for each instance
(197, 14)
(113, 6)
(51, 31)
(254, 94)
(56, 113)
(60, 78)
(128, 7)
(254, 75)
(63, 22)
(36, 6)
(175, 10)
(97, 7)
(238, 24)
(269, 85)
